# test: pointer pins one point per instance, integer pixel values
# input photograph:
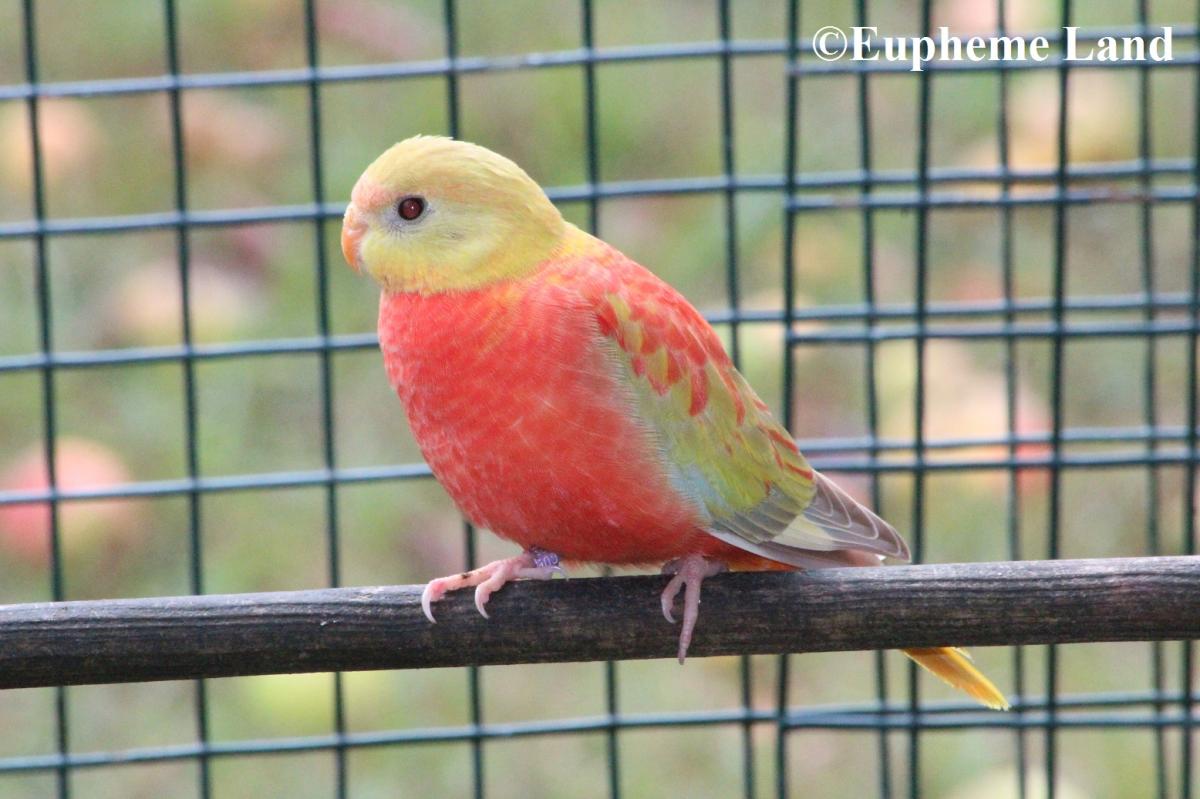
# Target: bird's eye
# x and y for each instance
(410, 208)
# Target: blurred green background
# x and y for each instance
(111, 156)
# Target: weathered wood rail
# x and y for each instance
(348, 629)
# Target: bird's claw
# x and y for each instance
(689, 572)
(434, 591)
(536, 564)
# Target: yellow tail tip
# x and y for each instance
(953, 666)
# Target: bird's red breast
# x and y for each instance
(514, 405)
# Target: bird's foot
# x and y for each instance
(533, 564)
(689, 573)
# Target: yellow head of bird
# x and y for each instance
(433, 214)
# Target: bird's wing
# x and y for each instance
(724, 448)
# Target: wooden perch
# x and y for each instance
(349, 629)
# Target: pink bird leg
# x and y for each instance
(534, 564)
(689, 572)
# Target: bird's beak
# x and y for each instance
(353, 228)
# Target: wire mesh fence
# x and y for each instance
(974, 289)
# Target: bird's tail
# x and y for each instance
(953, 666)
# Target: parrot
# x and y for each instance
(574, 403)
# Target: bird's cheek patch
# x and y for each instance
(380, 256)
